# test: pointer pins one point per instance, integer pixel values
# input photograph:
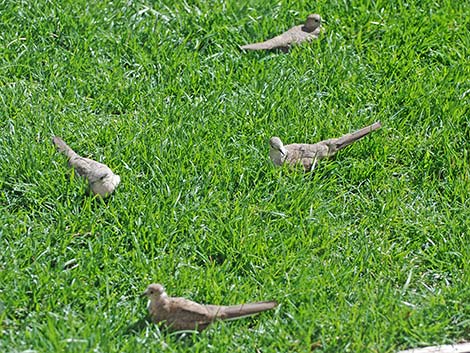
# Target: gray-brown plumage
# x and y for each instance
(100, 177)
(182, 314)
(296, 35)
(309, 154)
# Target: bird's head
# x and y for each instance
(277, 151)
(154, 291)
(276, 144)
(312, 23)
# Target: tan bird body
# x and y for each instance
(100, 177)
(309, 154)
(182, 314)
(296, 35)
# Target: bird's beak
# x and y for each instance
(143, 295)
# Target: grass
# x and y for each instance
(370, 253)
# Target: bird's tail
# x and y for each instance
(63, 147)
(347, 139)
(242, 310)
(256, 46)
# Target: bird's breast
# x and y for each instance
(107, 185)
(276, 157)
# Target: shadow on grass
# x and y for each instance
(186, 337)
(138, 326)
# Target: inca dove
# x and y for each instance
(296, 35)
(309, 154)
(182, 314)
(101, 179)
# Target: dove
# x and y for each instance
(178, 314)
(296, 35)
(309, 154)
(100, 177)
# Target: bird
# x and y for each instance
(178, 314)
(309, 154)
(100, 177)
(295, 35)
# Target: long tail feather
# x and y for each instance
(346, 140)
(242, 310)
(256, 46)
(63, 147)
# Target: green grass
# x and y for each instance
(369, 254)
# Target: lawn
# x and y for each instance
(369, 253)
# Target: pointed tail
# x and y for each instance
(242, 310)
(347, 139)
(63, 147)
(278, 42)
(256, 46)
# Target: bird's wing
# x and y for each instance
(182, 309)
(297, 35)
(306, 154)
(281, 41)
(89, 168)
(81, 165)
(298, 151)
(98, 173)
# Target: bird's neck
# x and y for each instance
(163, 298)
(277, 157)
(308, 27)
(158, 302)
